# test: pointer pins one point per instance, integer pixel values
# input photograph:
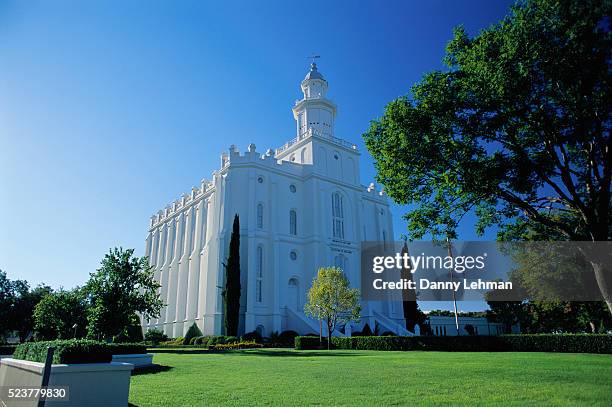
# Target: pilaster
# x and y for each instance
(194, 264)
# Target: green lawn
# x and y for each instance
(287, 377)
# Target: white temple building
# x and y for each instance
(301, 207)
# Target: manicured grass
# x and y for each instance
(288, 377)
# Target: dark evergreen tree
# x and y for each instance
(231, 293)
(412, 314)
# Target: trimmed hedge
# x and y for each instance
(7, 349)
(76, 351)
(199, 342)
(570, 343)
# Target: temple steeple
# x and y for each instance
(314, 113)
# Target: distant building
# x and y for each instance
(445, 326)
(301, 207)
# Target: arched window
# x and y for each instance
(293, 299)
(337, 216)
(259, 274)
(341, 262)
(259, 216)
(292, 222)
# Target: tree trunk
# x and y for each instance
(604, 281)
(593, 327)
(320, 332)
(328, 334)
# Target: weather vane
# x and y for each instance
(313, 57)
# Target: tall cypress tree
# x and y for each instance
(231, 293)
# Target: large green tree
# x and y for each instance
(57, 313)
(24, 310)
(231, 292)
(564, 316)
(10, 290)
(17, 303)
(331, 299)
(517, 129)
(504, 310)
(120, 288)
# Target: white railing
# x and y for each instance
(309, 133)
(304, 135)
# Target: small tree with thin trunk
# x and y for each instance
(331, 299)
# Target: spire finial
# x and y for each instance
(312, 57)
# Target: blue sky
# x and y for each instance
(109, 110)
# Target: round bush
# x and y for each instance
(252, 336)
(287, 336)
(155, 336)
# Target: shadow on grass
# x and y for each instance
(150, 370)
(292, 353)
(180, 351)
(271, 352)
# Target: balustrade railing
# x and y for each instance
(309, 133)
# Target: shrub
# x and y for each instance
(237, 345)
(252, 336)
(75, 351)
(220, 339)
(201, 340)
(155, 336)
(192, 332)
(284, 339)
(176, 341)
(213, 340)
(309, 342)
(131, 333)
(574, 343)
(367, 331)
(569, 343)
(287, 336)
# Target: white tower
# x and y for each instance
(315, 143)
(314, 112)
